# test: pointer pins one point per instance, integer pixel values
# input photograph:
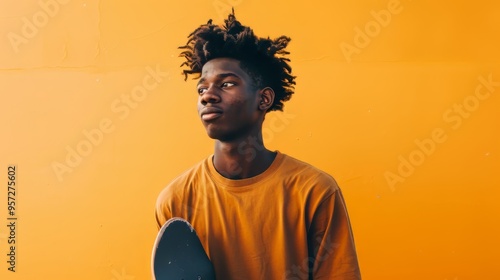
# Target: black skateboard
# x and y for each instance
(179, 255)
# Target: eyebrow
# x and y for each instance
(221, 76)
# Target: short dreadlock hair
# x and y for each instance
(263, 59)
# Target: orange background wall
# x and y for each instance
(398, 100)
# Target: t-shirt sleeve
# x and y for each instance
(162, 211)
(331, 242)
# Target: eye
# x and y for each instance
(201, 90)
(227, 84)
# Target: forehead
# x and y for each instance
(217, 66)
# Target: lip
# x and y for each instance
(210, 113)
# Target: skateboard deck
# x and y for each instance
(179, 255)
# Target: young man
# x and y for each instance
(260, 214)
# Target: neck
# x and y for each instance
(242, 158)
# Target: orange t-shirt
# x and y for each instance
(289, 222)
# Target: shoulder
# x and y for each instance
(308, 176)
(183, 182)
(172, 199)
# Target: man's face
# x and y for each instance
(228, 104)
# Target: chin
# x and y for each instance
(225, 133)
(216, 135)
(220, 135)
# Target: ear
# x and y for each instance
(266, 98)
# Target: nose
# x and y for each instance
(211, 95)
